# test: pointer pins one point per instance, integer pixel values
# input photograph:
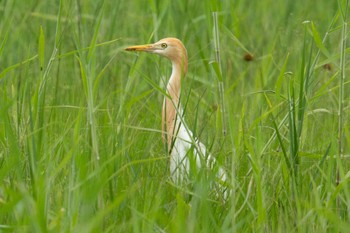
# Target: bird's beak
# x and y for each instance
(145, 48)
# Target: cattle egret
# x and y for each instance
(176, 134)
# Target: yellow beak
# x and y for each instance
(146, 48)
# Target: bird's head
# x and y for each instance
(171, 48)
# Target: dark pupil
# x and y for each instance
(164, 45)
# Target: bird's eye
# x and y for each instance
(164, 45)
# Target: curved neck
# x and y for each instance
(174, 84)
(169, 114)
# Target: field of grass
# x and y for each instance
(80, 118)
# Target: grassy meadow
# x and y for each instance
(80, 118)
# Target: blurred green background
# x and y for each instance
(80, 118)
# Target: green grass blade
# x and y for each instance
(41, 46)
(281, 77)
(318, 40)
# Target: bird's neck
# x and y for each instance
(174, 85)
(172, 105)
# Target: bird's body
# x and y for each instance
(179, 151)
(178, 137)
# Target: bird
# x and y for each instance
(175, 133)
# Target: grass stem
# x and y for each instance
(219, 72)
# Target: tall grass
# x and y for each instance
(80, 120)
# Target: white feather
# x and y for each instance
(180, 161)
